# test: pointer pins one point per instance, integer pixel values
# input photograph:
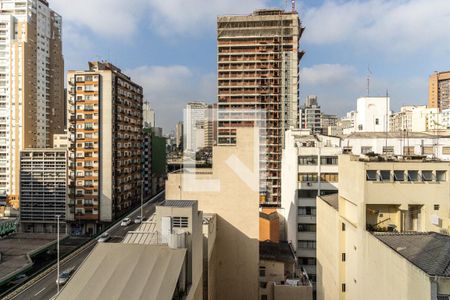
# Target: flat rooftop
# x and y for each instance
(281, 252)
(14, 250)
(178, 203)
(397, 135)
(430, 252)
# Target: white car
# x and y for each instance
(64, 276)
(104, 238)
(125, 222)
(138, 220)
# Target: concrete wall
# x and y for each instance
(236, 202)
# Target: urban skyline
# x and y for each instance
(258, 192)
(179, 48)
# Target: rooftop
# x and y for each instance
(281, 252)
(430, 252)
(332, 200)
(127, 271)
(396, 135)
(178, 203)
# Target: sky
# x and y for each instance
(169, 47)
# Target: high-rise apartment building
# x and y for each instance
(311, 115)
(258, 61)
(31, 85)
(105, 125)
(439, 90)
(195, 126)
(43, 189)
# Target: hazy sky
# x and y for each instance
(169, 47)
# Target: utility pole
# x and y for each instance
(142, 199)
(57, 254)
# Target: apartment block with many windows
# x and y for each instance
(105, 125)
(310, 168)
(258, 71)
(31, 85)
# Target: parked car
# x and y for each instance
(125, 222)
(19, 279)
(64, 276)
(104, 238)
(138, 220)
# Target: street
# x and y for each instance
(46, 288)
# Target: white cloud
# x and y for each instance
(192, 17)
(112, 18)
(326, 74)
(169, 88)
(116, 18)
(394, 25)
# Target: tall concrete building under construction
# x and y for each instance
(31, 85)
(258, 70)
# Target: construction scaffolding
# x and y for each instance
(258, 62)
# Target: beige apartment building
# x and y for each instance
(105, 127)
(385, 235)
(439, 90)
(31, 85)
(258, 78)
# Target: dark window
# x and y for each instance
(427, 175)
(307, 244)
(307, 160)
(306, 227)
(343, 287)
(413, 176)
(436, 207)
(399, 175)
(343, 226)
(329, 160)
(371, 175)
(262, 271)
(343, 256)
(385, 175)
(306, 211)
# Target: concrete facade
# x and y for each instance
(221, 190)
(105, 128)
(379, 196)
(31, 85)
(372, 114)
(439, 90)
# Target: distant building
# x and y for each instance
(372, 114)
(179, 135)
(32, 85)
(195, 122)
(439, 90)
(149, 118)
(105, 128)
(372, 233)
(61, 141)
(43, 187)
(311, 116)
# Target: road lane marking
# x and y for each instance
(39, 292)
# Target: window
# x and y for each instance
(427, 175)
(307, 261)
(180, 222)
(436, 207)
(307, 160)
(306, 227)
(399, 175)
(329, 160)
(388, 150)
(306, 211)
(385, 175)
(428, 150)
(343, 287)
(377, 121)
(413, 175)
(307, 244)
(371, 175)
(329, 177)
(262, 271)
(343, 226)
(343, 257)
(263, 297)
(441, 176)
(408, 150)
(307, 177)
(366, 149)
(446, 150)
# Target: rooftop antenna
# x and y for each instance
(293, 5)
(369, 73)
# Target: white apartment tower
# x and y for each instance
(31, 85)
